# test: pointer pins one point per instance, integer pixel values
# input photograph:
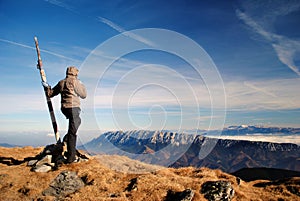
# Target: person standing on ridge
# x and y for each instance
(71, 90)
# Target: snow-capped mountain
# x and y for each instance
(180, 149)
(141, 138)
(155, 147)
(232, 155)
(247, 129)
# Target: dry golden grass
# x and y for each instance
(17, 182)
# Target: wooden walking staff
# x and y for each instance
(44, 80)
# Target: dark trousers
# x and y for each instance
(70, 138)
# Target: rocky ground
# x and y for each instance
(96, 180)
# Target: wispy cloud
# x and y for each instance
(123, 31)
(257, 95)
(260, 89)
(130, 77)
(61, 4)
(10, 103)
(147, 85)
(106, 21)
(33, 48)
(18, 44)
(255, 26)
(286, 51)
(285, 48)
(111, 24)
(166, 86)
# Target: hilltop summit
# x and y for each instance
(97, 181)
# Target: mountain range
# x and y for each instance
(181, 150)
(248, 129)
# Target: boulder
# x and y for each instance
(217, 190)
(186, 195)
(65, 183)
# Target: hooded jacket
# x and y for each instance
(70, 88)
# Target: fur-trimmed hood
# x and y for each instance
(72, 70)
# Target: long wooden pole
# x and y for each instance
(49, 103)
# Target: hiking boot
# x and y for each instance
(71, 161)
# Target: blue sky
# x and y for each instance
(254, 47)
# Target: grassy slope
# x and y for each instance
(17, 182)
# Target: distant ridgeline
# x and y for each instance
(245, 129)
(180, 150)
(7, 145)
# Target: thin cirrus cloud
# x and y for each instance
(33, 48)
(145, 85)
(268, 94)
(123, 31)
(286, 49)
(30, 102)
(241, 95)
(106, 21)
(254, 95)
(250, 95)
(61, 4)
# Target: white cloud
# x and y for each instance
(150, 84)
(269, 94)
(50, 135)
(42, 50)
(108, 22)
(132, 83)
(61, 4)
(254, 25)
(123, 31)
(241, 95)
(295, 139)
(111, 24)
(261, 22)
(286, 51)
(27, 102)
(126, 81)
(259, 89)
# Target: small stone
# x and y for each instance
(132, 186)
(24, 190)
(87, 180)
(114, 195)
(32, 162)
(238, 180)
(42, 168)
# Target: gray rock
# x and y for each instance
(217, 190)
(47, 160)
(32, 162)
(186, 195)
(42, 168)
(65, 183)
(43, 165)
